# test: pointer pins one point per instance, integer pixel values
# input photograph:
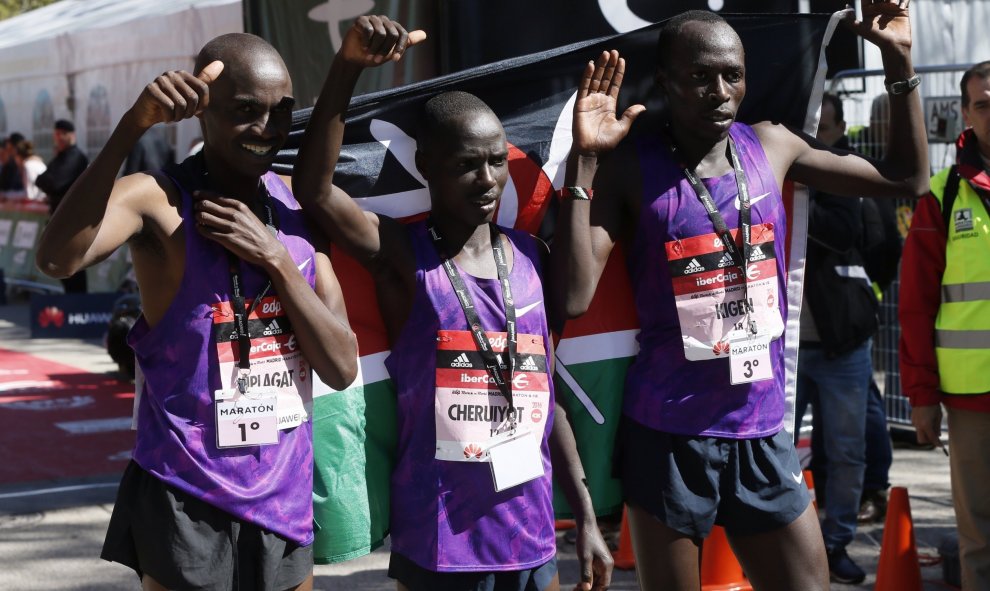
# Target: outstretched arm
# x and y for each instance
(588, 229)
(98, 215)
(904, 170)
(371, 41)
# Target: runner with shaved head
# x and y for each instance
(471, 357)
(699, 203)
(239, 308)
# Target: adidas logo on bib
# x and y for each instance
(694, 267)
(461, 361)
(726, 261)
(529, 365)
(273, 329)
(757, 254)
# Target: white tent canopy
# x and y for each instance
(87, 61)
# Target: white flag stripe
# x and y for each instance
(401, 145)
(598, 347)
(579, 392)
(371, 369)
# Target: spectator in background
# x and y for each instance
(31, 167)
(945, 323)
(67, 165)
(10, 179)
(151, 152)
(838, 320)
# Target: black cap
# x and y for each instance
(65, 125)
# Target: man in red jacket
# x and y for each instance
(945, 322)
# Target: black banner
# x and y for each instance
(533, 95)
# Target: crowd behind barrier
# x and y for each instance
(21, 223)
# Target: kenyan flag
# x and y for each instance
(354, 430)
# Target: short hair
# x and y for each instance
(65, 125)
(234, 47)
(836, 103)
(25, 149)
(672, 27)
(981, 71)
(440, 113)
(15, 137)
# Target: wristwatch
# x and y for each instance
(903, 86)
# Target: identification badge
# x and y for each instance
(515, 460)
(749, 359)
(246, 419)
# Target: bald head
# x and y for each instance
(444, 115)
(239, 52)
(694, 27)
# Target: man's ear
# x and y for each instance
(660, 80)
(421, 165)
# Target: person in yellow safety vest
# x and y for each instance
(945, 322)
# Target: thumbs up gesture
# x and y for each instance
(174, 96)
(375, 40)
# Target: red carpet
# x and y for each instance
(58, 421)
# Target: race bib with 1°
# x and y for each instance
(470, 410)
(246, 419)
(278, 366)
(708, 292)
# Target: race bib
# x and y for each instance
(277, 363)
(246, 419)
(470, 410)
(708, 291)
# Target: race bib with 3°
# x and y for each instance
(708, 291)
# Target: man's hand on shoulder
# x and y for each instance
(233, 225)
(174, 96)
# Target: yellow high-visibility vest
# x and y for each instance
(962, 327)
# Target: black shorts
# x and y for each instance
(416, 578)
(747, 486)
(184, 543)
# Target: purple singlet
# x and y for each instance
(269, 485)
(688, 295)
(446, 514)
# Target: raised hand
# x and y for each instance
(233, 225)
(375, 40)
(885, 24)
(596, 129)
(174, 96)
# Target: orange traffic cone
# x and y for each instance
(898, 569)
(720, 571)
(562, 524)
(623, 556)
(809, 480)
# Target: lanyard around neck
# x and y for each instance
(239, 307)
(739, 256)
(491, 360)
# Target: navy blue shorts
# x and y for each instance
(747, 486)
(416, 578)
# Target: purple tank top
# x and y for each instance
(446, 515)
(270, 485)
(679, 382)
